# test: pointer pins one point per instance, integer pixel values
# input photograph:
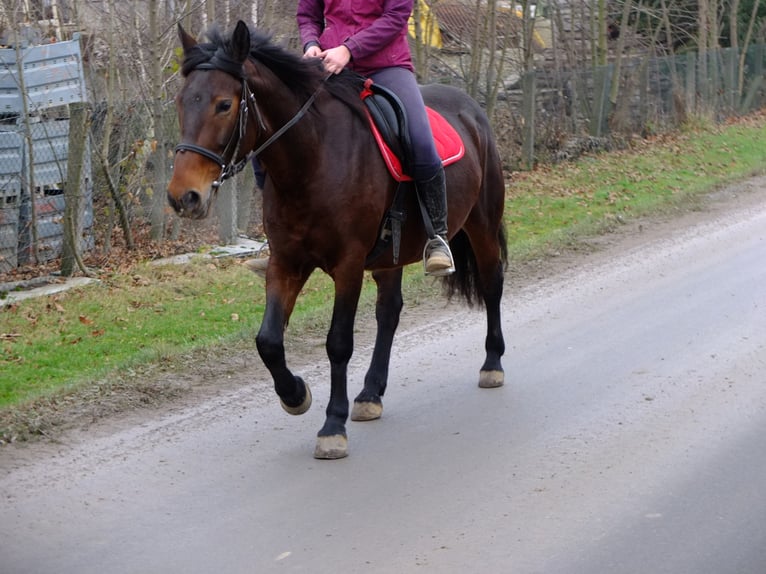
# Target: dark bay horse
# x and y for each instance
(326, 194)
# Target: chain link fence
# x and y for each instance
(555, 115)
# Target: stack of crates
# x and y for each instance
(44, 228)
(11, 173)
(32, 185)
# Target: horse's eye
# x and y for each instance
(223, 106)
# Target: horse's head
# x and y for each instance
(212, 119)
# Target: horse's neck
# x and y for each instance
(326, 124)
(296, 146)
(276, 105)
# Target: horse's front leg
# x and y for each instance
(332, 440)
(388, 307)
(281, 294)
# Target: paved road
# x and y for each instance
(629, 438)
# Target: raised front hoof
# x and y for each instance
(301, 408)
(331, 447)
(491, 379)
(366, 411)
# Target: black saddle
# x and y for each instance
(390, 118)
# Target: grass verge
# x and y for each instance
(552, 204)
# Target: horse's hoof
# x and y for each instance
(366, 411)
(491, 379)
(301, 408)
(331, 447)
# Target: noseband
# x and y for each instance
(232, 168)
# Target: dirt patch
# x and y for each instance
(158, 389)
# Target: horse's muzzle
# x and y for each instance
(189, 205)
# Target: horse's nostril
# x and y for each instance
(173, 202)
(190, 200)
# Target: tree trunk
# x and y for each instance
(418, 55)
(245, 198)
(227, 211)
(477, 49)
(73, 190)
(30, 179)
(624, 27)
(493, 74)
(119, 205)
(528, 87)
(158, 201)
(703, 32)
(601, 32)
(745, 44)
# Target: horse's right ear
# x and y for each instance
(187, 41)
(240, 41)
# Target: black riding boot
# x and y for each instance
(437, 256)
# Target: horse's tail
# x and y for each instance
(465, 280)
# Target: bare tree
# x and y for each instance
(703, 36)
(746, 43)
(624, 27)
(158, 201)
(73, 190)
(601, 52)
(477, 42)
(529, 85)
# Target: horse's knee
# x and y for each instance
(270, 346)
(339, 347)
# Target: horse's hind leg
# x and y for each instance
(491, 373)
(489, 251)
(368, 405)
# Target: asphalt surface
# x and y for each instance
(629, 438)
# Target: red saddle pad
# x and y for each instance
(448, 144)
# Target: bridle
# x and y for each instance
(231, 167)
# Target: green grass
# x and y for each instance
(158, 313)
(154, 313)
(554, 203)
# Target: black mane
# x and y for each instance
(300, 75)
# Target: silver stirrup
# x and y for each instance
(441, 272)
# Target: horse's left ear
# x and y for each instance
(240, 41)
(187, 41)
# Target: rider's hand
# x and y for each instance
(335, 59)
(313, 52)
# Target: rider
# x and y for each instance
(371, 39)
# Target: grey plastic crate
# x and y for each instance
(53, 76)
(11, 168)
(50, 144)
(9, 232)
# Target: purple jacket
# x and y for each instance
(374, 31)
